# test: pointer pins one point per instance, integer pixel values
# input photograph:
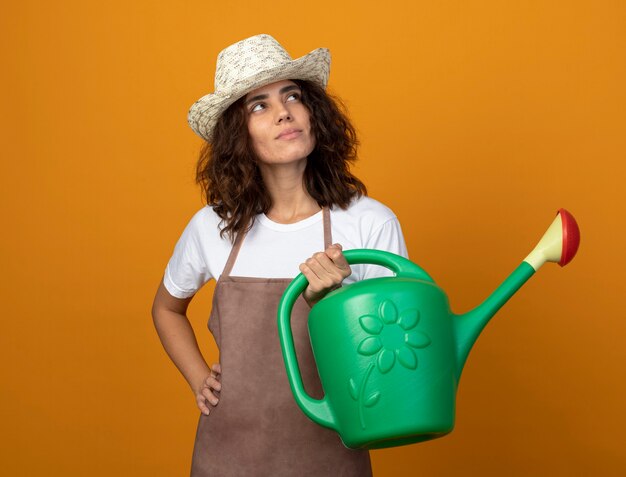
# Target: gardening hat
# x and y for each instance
(250, 64)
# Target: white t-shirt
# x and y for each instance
(274, 250)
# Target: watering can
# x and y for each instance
(389, 351)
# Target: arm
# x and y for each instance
(169, 315)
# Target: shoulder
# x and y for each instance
(366, 212)
(205, 215)
(199, 254)
(203, 229)
(370, 224)
(204, 219)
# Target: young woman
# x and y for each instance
(280, 200)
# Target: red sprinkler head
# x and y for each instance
(571, 237)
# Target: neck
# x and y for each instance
(290, 200)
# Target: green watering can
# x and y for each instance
(389, 351)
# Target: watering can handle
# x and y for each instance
(402, 267)
(318, 409)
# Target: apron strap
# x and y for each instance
(233, 254)
(328, 236)
(328, 240)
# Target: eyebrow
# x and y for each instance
(283, 90)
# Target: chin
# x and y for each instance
(290, 160)
(293, 153)
(296, 155)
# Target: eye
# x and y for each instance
(257, 107)
(293, 97)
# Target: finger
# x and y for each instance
(202, 406)
(309, 272)
(217, 368)
(209, 396)
(318, 277)
(212, 383)
(329, 267)
(215, 376)
(316, 285)
(335, 253)
(310, 275)
(335, 264)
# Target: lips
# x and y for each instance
(290, 133)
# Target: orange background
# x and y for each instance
(478, 120)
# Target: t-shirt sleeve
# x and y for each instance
(186, 270)
(387, 237)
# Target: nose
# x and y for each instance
(283, 114)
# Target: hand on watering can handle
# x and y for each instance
(206, 394)
(324, 271)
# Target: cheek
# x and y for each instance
(312, 140)
(252, 133)
(256, 136)
(312, 143)
(307, 124)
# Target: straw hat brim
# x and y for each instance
(203, 114)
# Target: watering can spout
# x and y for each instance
(559, 244)
(468, 326)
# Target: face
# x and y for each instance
(278, 123)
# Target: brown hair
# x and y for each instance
(230, 178)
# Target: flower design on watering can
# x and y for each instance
(393, 335)
(392, 338)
